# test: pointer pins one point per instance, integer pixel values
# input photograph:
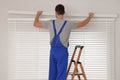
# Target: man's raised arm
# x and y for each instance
(84, 22)
(38, 23)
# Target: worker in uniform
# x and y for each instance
(59, 29)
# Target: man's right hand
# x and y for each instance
(91, 14)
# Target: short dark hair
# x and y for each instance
(60, 9)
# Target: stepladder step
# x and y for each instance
(70, 73)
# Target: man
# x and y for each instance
(59, 35)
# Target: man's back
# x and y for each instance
(64, 36)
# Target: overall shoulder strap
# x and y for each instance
(55, 33)
(62, 27)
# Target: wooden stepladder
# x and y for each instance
(76, 64)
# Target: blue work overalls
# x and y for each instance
(58, 56)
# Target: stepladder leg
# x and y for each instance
(75, 70)
(70, 63)
(78, 75)
(68, 70)
(73, 75)
(83, 72)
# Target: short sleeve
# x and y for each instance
(45, 24)
(72, 24)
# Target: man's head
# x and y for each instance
(60, 10)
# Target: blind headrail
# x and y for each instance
(13, 12)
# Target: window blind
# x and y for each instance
(29, 49)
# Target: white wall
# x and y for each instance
(3, 41)
(72, 6)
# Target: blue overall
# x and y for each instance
(58, 56)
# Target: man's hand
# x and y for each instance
(91, 14)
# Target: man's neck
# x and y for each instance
(60, 16)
